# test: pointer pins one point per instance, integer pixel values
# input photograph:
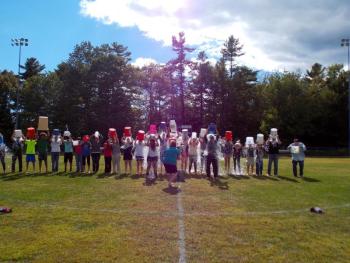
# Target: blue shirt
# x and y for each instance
(297, 152)
(170, 155)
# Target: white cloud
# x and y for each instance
(275, 34)
(141, 62)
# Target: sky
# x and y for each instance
(276, 35)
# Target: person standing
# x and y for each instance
(2, 152)
(115, 155)
(202, 149)
(78, 154)
(17, 152)
(96, 144)
(237, 153)
(193, 154)
(227, 150)
(297, 150)
(68, 152)
(56, 142)
(212, 157)
(152, 156)
(30, 153)
(107, 153)
(127, 153)
(273, 146)
(86, 152)
(259, 159)
(171, 155)
(42, 149)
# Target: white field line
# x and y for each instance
(32, 205)
(181, 241)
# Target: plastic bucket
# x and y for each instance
(203, 132)
(31, 133)
(260, 138)
(140, 135)
(127, 131)
(112, 133)
(228, 135)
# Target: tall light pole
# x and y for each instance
(345, 42)
(18, 42)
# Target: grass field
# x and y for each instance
(96, 218)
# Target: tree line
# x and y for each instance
(97, 87)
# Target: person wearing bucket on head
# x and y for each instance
(163, 145)
(212, 156)
(68, 150)
(78, 154)
(107, 154)
(193, 152)
(250, 155)
(112, 134)
(237, 153)
(259, 162)
(30, 143)
(273, 146)
(86, 152)
(43, 149)
(127, 153)
(202, 149)
(297, 149)
(184, 149)
(96, 144)
(171, 155)
(139, 152)
(17, 150)
(152, 155)
(2, 152)
(56, 142)
(227, 151)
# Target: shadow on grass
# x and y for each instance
(288, 179)
(239, 177)
(123, 175)
(310, 180)
(171, 190)
(221, 185)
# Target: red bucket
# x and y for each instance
(127, 131)
(86, 138)
(31, 133)
(140, 135)
(228, 135)
(153, 129)
(112, 133)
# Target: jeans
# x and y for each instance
(16, 156)
(193, 160)
(78, 162)
(237, 163)
(295, 168)
(95, 161)
(273, 158)
(259, 166)
(108, 162)
(55, 156)
(212, 161)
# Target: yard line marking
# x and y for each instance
(181, 241)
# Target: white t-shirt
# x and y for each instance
(55, 145)
(139, 148)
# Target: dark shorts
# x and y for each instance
(42, 157)
(139, 158)
(152, 159)
(127, 156)
(30, 158)
(68, 157)
(170, 168)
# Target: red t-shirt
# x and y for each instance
(107, 149)
(78, 149)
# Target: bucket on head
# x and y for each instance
(97, 134)
(112, 133)
(273, 132)
(212, 128)
(86, 138)
(140, 135)
(66, 134)
(127, 131)
(228, 135)
(203, 132)
(173, 126)
(249, 140)
(18, 133)
(209, 135)
(162, 126)
(184, 133)
(43, 123)
(56, 132)
(153, 129)
(31, 132)
(260, 138)
(194, 135)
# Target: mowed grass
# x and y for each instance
(96, 218)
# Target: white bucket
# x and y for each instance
(260, 138)
(194, 135)
(295, 149)
(66, 134)
(18, 133)
(97, 134)
(273, 132)
(172, 125)
(203, 132)
(249, 140)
